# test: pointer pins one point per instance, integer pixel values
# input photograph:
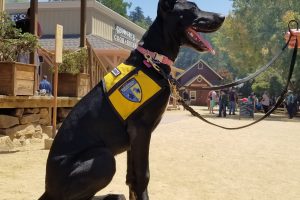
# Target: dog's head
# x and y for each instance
(183, 22)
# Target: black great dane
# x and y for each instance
(81, 160)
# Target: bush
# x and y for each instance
(74, 61)
(12, 41)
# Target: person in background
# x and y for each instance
(186, 97)
(232, 101)
(265, 102)
(290, 103)
(45, 86)
(223, 102)
(212, 100)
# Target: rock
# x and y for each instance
(47, 130)
(38, 132)
(31, 110)
(6, 144)
(7, 121)
(44, 113)
(48, 143)
(18, 112)
(28, 132)
(45, 121)
(11, 132)
(26, 119)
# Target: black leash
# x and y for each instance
(277, 104)
(174, 83)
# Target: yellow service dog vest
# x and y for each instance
(128, 89)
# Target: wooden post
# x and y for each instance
(2, 5)
(33, 30)
(58, 59)
(82, 23)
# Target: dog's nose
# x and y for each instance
(221, 17)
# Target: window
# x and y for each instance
(193, 95)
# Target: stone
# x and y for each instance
(18, 112)
(38, 132)
(44, 121)
(47, 130)
(44, 113)
(7, 121)
(48, 143)
(27, 132)
(11, 132)
(26, 119)
(6, 144)
(31, 110)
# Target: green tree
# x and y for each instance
(137, 16)
(118, 6)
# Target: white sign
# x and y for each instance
(125, 37)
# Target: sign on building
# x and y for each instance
(125, 37)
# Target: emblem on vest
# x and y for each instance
(131, 90)
(115, 72)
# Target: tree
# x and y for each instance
(137, 16)
(118, 6)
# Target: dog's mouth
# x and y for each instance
(198, 40)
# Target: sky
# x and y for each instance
(150, 6)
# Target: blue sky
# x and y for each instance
(150, 6)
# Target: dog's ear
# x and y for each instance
(166, 5)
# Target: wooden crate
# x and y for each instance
(73, 85)
(17, 79)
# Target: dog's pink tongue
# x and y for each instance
(207, 44)
(199, 37)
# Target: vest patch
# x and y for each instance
(129, 90)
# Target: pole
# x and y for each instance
(2, 5)
(58, 59)
(82, 23)
(55, 99)
(33, 30)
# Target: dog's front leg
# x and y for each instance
(138, 164)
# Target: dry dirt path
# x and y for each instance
(190, 160)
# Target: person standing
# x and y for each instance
(265, 102)
(232, 101)
(223, 102)
(212, 101)
(186, 97)
(290, 103)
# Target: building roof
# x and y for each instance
(199, 68)
(72, 42)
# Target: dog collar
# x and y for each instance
(155, 56)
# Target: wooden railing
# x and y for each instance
(97, 68)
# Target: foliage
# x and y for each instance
(121, 7)
(249, 38)
(118, 6)
(137, 16)
(12, 41)
(73, 61)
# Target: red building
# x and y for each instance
(196, 77)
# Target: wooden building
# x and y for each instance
(197, 76)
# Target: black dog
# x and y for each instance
(81, 160)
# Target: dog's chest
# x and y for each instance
(129, 90)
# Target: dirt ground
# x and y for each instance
(190, 160)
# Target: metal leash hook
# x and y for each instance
(293, 34)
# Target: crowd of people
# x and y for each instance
(228, 100)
